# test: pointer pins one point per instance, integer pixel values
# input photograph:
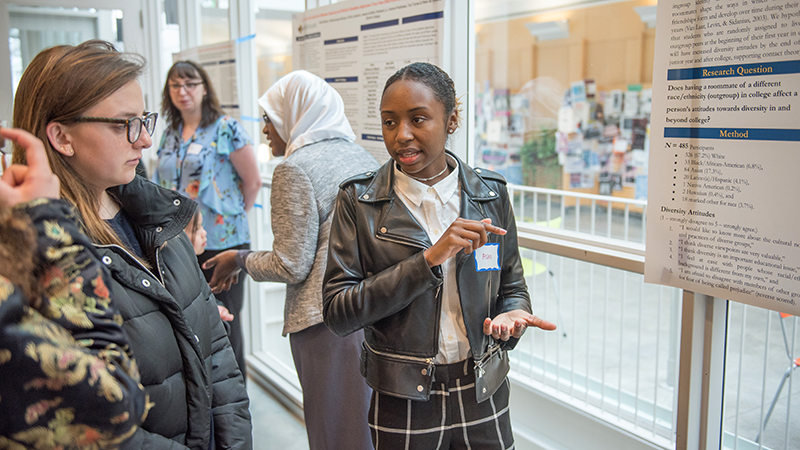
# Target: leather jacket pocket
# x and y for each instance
(398, 375)
(490, 371)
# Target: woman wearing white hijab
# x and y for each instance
(305, 123)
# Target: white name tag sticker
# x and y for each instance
(194, 148)
(487, 258)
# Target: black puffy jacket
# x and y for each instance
(179, 342)
(377, 277)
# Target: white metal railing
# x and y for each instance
(615, 352)
(589, 228)
(596, 215)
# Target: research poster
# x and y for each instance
(723, 213)
(356, 45)
(219, 61)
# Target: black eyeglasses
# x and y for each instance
(266, 119)
(133, 125)
(189, 86)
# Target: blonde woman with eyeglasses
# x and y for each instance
(207, 156)
(85, 103)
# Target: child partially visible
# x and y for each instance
(197, 234)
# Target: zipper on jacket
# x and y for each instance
(142, 266)
(438, 323)
(489, 299)
(423, 246)
(158, 267)
(418, 244)
(417, 359)
(479, 370)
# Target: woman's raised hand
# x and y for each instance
(513, 324)
(21, 183)
(226, 271)
(466, 234)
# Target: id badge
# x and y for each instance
(487, 258)
(194, 148)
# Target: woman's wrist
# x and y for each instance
(241, 258)
(426, 254)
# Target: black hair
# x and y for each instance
(435, 78)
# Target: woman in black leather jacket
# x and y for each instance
(437, 320)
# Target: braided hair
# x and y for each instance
(436, 79)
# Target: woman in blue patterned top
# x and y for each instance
(208, 157)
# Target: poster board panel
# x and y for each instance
(357, 45)
(725, 150)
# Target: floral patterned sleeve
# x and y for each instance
(231, 136)
(68, 380)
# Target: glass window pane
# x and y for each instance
(562, 110)
(762, 384)
(615, 352)
(170, 34)
(268, 300)
(274, 59)
(215, 22)
(274, 53)
(563, 97)
(35, 28)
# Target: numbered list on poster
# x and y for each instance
(723, 206)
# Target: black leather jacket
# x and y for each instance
(377, 278)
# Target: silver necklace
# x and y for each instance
(446, 166)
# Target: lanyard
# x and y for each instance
(181, 155)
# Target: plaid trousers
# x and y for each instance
(450, 419)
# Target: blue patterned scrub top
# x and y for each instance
(201, 169)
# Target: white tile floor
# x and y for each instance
(274, 427)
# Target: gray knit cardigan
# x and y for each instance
(304, 188)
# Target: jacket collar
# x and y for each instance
(398, 224)
(159, 212)
(472, 185)
(414, 191)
